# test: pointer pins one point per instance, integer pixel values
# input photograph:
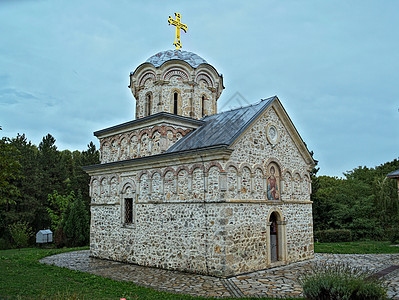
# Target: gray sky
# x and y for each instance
(64, 67)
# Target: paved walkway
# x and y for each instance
(277, 282)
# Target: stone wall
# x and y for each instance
(186, 182)
(141, 142)
(247, 234)
(211, 217)
(219, 239)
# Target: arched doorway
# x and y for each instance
(274, 238)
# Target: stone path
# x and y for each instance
(278, 282)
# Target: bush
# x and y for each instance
(333, 236)
(20, 232)
(341, 282)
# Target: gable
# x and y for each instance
(222, 128)
(272, 135)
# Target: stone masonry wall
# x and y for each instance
(256, 150)
(197, 89)
(209, 218)
(141, 142)
(246, 234)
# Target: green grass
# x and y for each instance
(23, 277)
(363, 247)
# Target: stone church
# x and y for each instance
(183, 187)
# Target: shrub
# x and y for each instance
(333, 235)
(20, 232)
(333, 282)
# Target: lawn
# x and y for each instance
(363, 247)
(23, 277)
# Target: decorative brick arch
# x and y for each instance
(197, 166)
(295, 172)
(148, 74)
(213, 164)
(141, 173)
(115, 139)
(92, 180)
(170, 128)
(167, 170)
(258, 166)
(153, 172)
(272, 160)
(154, 129)
(182, 131)
(245, 165)
(205, 77)
(103, 141)
(131, 135)
(101, 178)
(231, 164)
(285, 171)
(175, 71)
(142, 132)
(183, 168)
(127, 182)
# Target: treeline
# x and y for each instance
(42, 187)
(363, 205)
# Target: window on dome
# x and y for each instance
(203, 106)
(175, 97)
(148, 104)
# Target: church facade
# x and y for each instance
(183, 187)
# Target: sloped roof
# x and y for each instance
(394, 174)
(222, 128)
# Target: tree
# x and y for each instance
(76, 223)
(57, 205)
(9, 172)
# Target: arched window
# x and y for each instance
(203, 106)
(148, 104)
(175, 96)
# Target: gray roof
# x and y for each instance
(193, 59)
(222, 128)
(394, 174)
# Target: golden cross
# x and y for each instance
(179, 26)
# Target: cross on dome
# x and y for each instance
(179, 26)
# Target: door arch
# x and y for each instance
(276, 238)
(273, 246)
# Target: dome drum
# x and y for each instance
(178, 82)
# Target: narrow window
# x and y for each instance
(149, 105)
(128, 210)
(175, 95)
(203, 106)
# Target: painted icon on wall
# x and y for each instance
(273, 182)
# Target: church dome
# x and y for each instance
(191, 58)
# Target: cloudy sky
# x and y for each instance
(64, 67)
